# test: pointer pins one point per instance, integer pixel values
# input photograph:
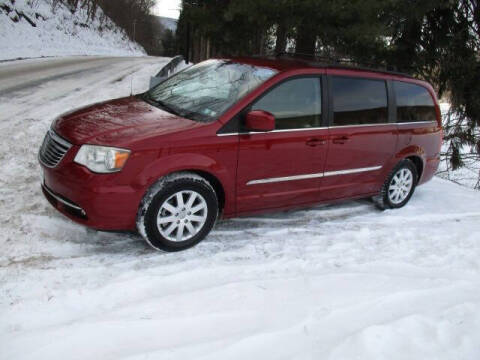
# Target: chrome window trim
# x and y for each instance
(324, 127)
(416, 122)
(360, 125)
(273, 131)
(312, 176)
(228, 134)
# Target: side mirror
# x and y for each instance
(259, 120)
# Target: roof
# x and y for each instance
(286, 63)
(279, 64)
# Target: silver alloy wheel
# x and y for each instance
(400, 186)
(182, 216)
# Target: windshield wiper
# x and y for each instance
(146, 96)
(168, 108)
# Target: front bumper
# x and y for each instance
(64, 205)
(100, 201)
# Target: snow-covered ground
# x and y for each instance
(332, 282)
(467, 175)
(33, 28)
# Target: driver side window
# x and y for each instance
(295, 103)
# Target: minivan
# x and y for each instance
(233, 137)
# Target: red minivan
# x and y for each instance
(230, 137)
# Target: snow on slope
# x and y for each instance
(58, 32)
(331, 282)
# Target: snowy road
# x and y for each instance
(19, 75)
(331, 282)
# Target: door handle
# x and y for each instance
(315, 142)
(341, 140)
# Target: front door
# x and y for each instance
(282, 168)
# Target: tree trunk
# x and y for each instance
(306, 39)
(281, 40)
(201, 56)
(196, 46)
(261, 43)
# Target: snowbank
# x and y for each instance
(32, 28)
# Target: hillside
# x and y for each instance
(168, 23)
(34, 28)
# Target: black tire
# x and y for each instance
(159, 194)
(383, 200)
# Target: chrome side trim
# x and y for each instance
(312, 176)
(286, 178)
(351, 171)
(273, 131)
(65, 202)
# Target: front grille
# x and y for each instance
(53, 149)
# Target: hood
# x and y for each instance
(118, 122)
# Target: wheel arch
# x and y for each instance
(207, 168)
(416, 155)
(216, 184)
(418, 162)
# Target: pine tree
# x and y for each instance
(437, 40)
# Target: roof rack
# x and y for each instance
(333, 62)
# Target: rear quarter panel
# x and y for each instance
(423, 140)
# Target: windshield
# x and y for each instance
(204, 91)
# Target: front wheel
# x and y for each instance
(399, 186)
(178, 212)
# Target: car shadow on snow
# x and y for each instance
(64, 243)
(229, 233)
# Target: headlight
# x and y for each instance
(102, 159)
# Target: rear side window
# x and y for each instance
(359, 101)
(414, 103)
(295, 103)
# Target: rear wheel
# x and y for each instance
(399, 186)
(178, 212)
